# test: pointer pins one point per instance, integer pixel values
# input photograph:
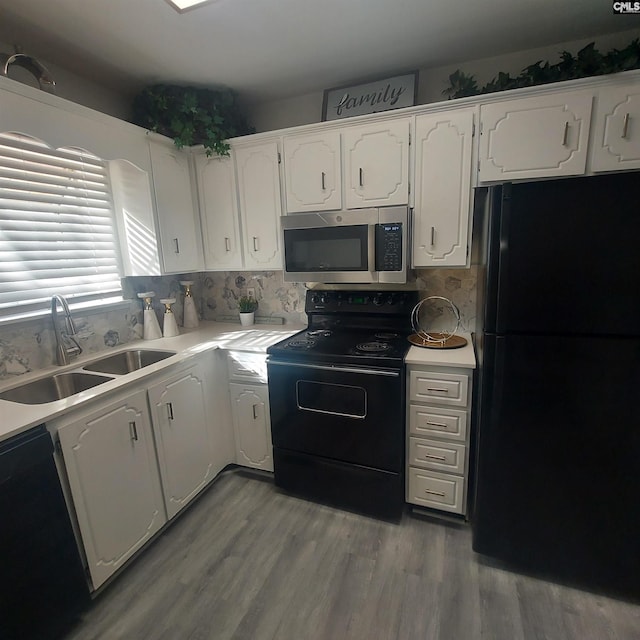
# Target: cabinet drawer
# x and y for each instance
(436, 490)
(441, 456)
(434, 422)
(245, 366)
(439, 388)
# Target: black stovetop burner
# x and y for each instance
(364, 328)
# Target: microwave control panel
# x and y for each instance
(389, 246)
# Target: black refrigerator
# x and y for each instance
(557, 438)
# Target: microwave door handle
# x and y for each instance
(371, 254)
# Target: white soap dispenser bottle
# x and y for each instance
(151, 329)
(169, 324)
(190, 319)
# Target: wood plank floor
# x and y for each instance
(250, 563)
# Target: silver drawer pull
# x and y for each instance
(428, 455)
(176, 245)
(566, 134)
(255, 411)
(361, 177)
(625, 125)
(255, 243)
(227, 244)
(437, 389)
(169, 410)
(323, 185)
(435, 493)
(433, 236)
(133, 430)
(437, 424)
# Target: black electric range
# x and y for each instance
(337, 401)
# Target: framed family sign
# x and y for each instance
(372, 97)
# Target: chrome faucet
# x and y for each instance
(64, 350)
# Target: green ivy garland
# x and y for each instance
(192, 116)
(587, 62)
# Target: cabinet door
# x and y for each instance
(175, 209)
(219, 213)
(443, 144)
(260, 206)
(252, 425)
(616, 136)
(183, 437)
(131, 187)
(377, 164)
(312, 171)
(113, 475)
(537, 137)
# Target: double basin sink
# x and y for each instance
(62, 385)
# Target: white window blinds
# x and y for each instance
(56, 226)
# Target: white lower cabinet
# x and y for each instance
(113, 475)
(184, 439)
(134, 461)
(249, 395)
(438, 418)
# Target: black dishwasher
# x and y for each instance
(42, 581)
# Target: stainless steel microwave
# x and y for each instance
(355, 246)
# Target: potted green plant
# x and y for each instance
(247, 307)
(192, 115)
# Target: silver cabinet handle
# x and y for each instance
(625, 125)
(255, 243)
(361, 177)
(432, 457)
(437, 389)
(227, 244)
(176, 245)
(133, 430)
(433, 236)
(323, 177)
(170, 410)
(435, 493)
(566, 134)
(255, 411)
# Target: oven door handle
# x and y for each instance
(369, 372)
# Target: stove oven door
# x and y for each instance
(338, 435)
(345, 413)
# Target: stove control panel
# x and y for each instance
(396, 302)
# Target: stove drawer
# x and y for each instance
(440, 456)
(436, 490)
(439, 388)
(435, 422)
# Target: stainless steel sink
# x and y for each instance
(55, 387)
(128, 361)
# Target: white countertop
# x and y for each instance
(17, 417)
(461, 357)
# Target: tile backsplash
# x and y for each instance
(30, 345)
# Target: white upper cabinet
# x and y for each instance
(538, 137)
(131, 188)
(616, 132)
(179, 236)
(376, 164)
(258, 177)
(443, 181)
(312, 172)
(219, 213)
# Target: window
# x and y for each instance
(57, 233)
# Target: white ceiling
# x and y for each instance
(266, 49)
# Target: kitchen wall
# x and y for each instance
(30, 345)
(307, 109)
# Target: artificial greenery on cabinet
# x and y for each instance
(586, 63)
(192, 115)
